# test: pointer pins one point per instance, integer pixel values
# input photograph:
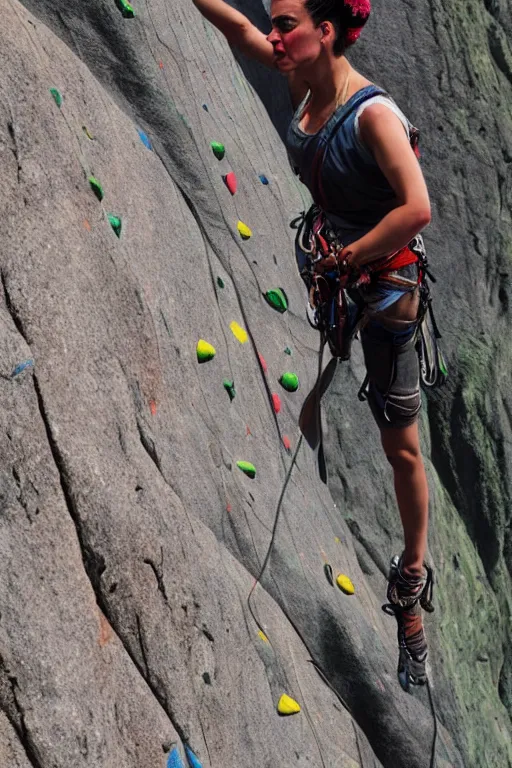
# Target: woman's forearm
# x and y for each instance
(228, 20)
(393, 232)
(238, 30)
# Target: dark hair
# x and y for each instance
(348, 17)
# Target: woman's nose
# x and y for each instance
(273, 37)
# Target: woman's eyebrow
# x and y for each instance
(283, 17)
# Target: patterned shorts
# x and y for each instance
(390, 356)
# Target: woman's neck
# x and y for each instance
(328, 81)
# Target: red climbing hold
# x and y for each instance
(263, 363)
(286, 443)
(276, 402)
(230, 182)
(152, 407)
(228, 508)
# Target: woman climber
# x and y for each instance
(354, 150)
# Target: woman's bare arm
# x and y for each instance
(384, 134)
(238, 30)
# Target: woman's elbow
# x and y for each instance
(422, 216)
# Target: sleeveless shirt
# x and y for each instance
(357, 194)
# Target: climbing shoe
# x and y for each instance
(407, 595)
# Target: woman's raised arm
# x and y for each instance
(237, 29)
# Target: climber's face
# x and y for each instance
(295, 38)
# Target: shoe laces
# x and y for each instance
(420, 592)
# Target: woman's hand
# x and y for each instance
(345, 262)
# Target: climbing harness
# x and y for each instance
(329, 310)
(433, 369)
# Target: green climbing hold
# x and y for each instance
(287, 351)
(220, 282)
(277, 299)
(96, 187)
(247, 468)
(218, 149)
(115, 223)
(290, 381)
(229, 386)
(126, 9)
(329, 574)
(57, 96)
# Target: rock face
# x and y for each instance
(130, 539)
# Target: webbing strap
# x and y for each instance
(401, 258)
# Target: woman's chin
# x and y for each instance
(283, 64)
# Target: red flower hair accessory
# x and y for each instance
(360, 8)
(359, 11)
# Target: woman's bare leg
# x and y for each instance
(402, 449)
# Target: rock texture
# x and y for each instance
(130, 540)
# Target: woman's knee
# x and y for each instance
(403, 459)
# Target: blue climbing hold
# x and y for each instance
(263, 179)
(21, 367)
(205, 107)
(144, 138)
(192, 759)
(174, 760)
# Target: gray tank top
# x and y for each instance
(355, 193)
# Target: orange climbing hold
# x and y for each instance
(263, 363)
(286, 443)
(152, 407)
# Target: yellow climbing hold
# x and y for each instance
(287, 705)
(345, 584)
(263, 636)
(245, 232)
(204, 351)
(238, 332)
